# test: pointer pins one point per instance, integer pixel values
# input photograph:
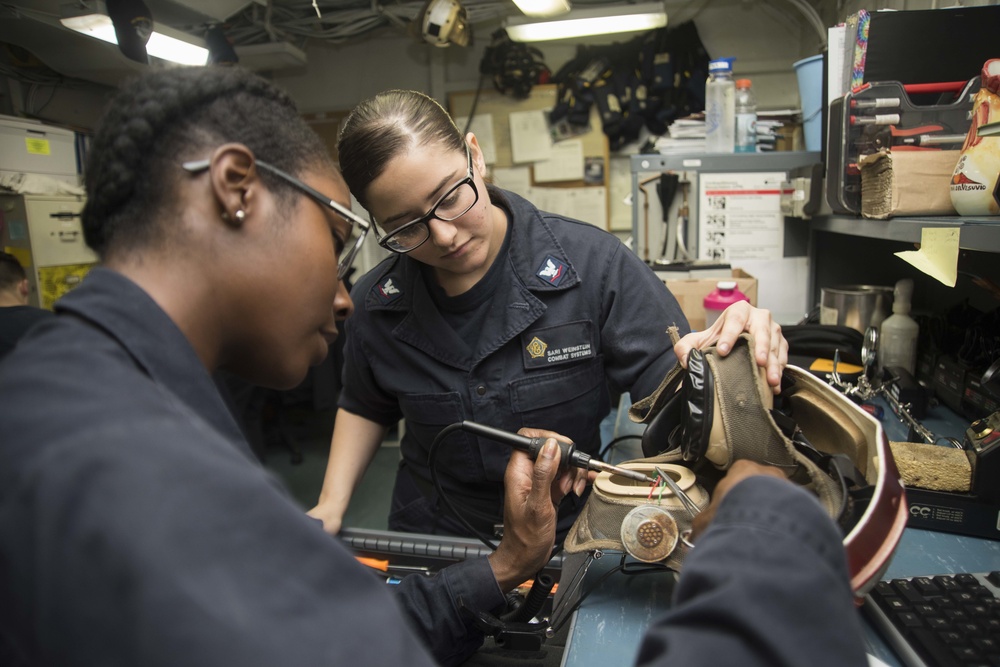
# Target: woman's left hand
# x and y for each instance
(770, 347)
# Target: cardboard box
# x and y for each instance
(789, 138)
(907, 183)
(690, 294)
(692, 269)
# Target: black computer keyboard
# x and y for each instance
(940, 621)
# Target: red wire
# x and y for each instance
(652, 488)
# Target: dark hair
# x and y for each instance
(11, 271)
(165, 117)
(385, 125)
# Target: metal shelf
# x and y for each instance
(709, 162)
(982, 233)
(773, 161)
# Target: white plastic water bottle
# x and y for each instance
(720, 107)
(746, 117)
(897, 341)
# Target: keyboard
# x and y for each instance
(940, 621)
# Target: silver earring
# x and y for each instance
(240, 215)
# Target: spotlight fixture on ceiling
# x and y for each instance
(587, 22)
(542, 8)
(131, 22)
(220, 49)
(444, 22)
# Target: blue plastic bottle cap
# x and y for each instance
(721, 65)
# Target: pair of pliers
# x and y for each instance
(925, 137)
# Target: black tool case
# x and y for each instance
(915, 127)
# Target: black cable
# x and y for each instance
(431, 456)
(431, 459)
(597, 584)
(621, 438)
(631, 569)
(475, 103)
(533, 602)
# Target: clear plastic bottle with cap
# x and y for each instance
(725, 294)
(720, 107)
(897, 340)
(746, 117)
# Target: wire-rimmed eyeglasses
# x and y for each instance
(347, 255)
(453, 204)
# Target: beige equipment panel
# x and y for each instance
(45, 233)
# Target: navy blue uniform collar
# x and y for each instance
(535, 251)
(112, 302)
(536, 258)
(535, 263)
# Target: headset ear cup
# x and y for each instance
(659, 435)
(698, 391)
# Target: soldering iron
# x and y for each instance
(569, 454)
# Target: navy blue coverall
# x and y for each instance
(574, 314)
(138, 528)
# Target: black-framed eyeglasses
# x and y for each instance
(453, 204)
(347, 255)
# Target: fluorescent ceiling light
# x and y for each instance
(164, 43)
(542, 8)
(588, 22)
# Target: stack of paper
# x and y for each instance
(771, 126)
(685, 135)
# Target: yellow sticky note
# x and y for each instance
(38, 146)
(938, 254)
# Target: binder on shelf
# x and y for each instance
(930, 45)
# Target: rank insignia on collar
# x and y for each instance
(552, 271)
(386, 291)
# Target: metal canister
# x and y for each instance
(855, 306)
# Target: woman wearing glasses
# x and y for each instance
(489, 310)
(136, 526)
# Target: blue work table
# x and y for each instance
(607, 628)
